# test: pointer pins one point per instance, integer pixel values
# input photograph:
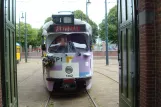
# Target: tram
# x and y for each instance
(18, 53)
(67, 51)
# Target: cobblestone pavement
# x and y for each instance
(32, 93)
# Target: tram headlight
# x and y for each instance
(68, 69)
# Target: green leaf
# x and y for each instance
(112, 26)
(78, 14)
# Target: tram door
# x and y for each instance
(10, 97)
(127, 53)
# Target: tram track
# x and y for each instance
(107, 69)
(107, 76)
(48, 100)
(47, 103)
(110, 79)
(94, 103)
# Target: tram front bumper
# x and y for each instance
(69, 85)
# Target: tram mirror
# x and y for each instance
(43, 47)
(92, 47)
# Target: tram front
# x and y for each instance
(68, 63)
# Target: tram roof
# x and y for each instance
(17, 44)
(76, 22)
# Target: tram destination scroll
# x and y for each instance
(67, 28)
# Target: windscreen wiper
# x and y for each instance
(53, 45)
(71, 44)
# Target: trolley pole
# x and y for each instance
(106, 33)
(26, 51)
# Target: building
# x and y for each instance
(139, 34)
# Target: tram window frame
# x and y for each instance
(84, 41)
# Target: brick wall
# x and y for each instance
(103, 53)
(147, 53)
(0, 81)
(0, 97)
(150, 53)
(158, 53)
(1, 30)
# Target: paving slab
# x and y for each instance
(32, 92)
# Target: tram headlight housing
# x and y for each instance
(68, 69)
(67, 20)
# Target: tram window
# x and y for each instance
(78, 41)
(55, 45)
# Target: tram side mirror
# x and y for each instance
(43, 47)
(92, 47)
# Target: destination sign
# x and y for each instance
(69, 28)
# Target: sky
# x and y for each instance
(38, 10)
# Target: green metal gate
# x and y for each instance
(127, 53)
(10, 95)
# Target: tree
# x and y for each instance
(48, 19)
(39, 35)
(112, 26)
(80, 15)
(31, 34)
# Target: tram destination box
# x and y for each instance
(67, 28)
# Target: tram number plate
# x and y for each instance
(58, 59)
(69, 75)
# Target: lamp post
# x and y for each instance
(26, 50)
(87, 2)
(19, 37)
(106, 33)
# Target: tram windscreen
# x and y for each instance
(69, 44)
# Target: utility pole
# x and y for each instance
(19, 37)
(87, 2)
(106, 33)
(86, 9)
(26, 51)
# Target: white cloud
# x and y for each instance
(39, 10)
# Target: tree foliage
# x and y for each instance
(112, 26)
(48, 19)
(31, 34)
(39, 36)
(80, 15)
